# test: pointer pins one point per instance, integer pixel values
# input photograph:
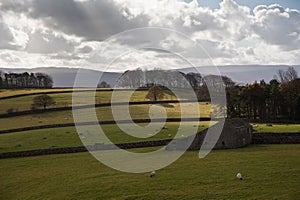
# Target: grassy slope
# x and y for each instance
(65, 99)
(13, 92)
(103, 113)
(68, 137)
(277, 128)
(270, 172)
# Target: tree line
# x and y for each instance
(174, 79)
(274, 101)
(25, 80)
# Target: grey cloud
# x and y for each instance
(6, 36)
(46, 42)
(15, 5)
(144, 37)
(85, 49)
(66, 56)
(250, 51)
(157, 50)
(92, 20)
(216, 49)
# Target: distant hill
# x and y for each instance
(243, 74)
(65, 77)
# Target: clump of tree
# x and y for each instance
(103, 84)
(155, 93)
(273, 101)
(25, 80)
(172, 79)
(43, 101)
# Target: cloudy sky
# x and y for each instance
(112, 35)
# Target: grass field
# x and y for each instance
(270, 172)
(68, 137)
(277, 128)
(13, 92)
(103, 113)
(65, 99)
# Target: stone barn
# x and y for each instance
(235, 133)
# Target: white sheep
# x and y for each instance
(239, 176)
(152, 174)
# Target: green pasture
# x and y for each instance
(68, 136)
(103, 114)
(13, 92)
(17, 104)
(39, 139)
(65, 99)
(276, 128)
(269, 171)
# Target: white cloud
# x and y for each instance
(278, 26)
(70, 33)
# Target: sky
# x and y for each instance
(117, 35)
(213, 4)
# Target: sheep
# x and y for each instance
(239, 176)
(152, 174)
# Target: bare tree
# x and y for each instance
(155, 93)
(291, 74)
(286, 76)
(43, 100)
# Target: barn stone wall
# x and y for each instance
(235, 133)
(276, 138)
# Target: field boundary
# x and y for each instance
(258, 138)
(96, 147)
(104, 123)
(275, 138)
(52, 92)
(69, 91)
(39, 111)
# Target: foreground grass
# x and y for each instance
(270, 172)
(68, 137)
(276, 128)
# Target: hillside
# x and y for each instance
(244, 74)
(65, 77)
